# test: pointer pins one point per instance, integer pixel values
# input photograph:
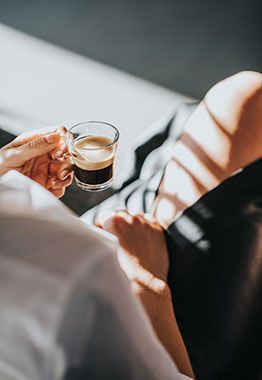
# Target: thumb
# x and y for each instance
(39, 146)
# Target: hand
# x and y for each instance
(41, 156)
(143, 254)
(144, 258)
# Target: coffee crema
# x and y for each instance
(93, 158)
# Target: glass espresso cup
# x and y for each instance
(92, 146)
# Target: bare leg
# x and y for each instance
(223, 135)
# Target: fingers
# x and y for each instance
(103, 217)
(26, 137)
(62, 148)
(58, 192)
(114, 221)
(55, 183)
(29, 136)
(61, 176)
(39, 146)
(16, 156)
(149, 217)
(60, 169)
(59, 151)
(35, 144)
(52, 175)
(37, 169)
(62, 130)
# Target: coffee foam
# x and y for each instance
(92, 152)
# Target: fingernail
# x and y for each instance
(51, 138)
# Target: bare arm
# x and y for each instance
(159, 308)
(143, 256)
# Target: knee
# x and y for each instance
(243, 85)
(236, 106)
(239, 93)
(248, 84)
(252, 79)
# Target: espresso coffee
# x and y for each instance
(93, 158)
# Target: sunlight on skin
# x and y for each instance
(209, 149)
(180, 187)
(165, 212)
(195, 166)
(207, 135)
(180, 183)
(41, 155)
(222, 97)
(214, 144)
(236, 105)
(139, 275)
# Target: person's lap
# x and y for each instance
(222, 136)
(213, 245)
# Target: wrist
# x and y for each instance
(143, 280)
(155, 291)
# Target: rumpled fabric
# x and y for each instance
(67, 311)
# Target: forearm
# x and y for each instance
(159, 308)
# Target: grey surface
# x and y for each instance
(5, 137)
(185, 45)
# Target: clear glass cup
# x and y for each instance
(92, 146)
